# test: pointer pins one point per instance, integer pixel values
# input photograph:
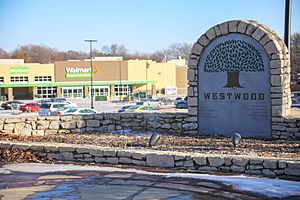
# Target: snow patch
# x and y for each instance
(4, 171)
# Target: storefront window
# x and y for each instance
(123, 90)
(19, 79)
(72, 92)
(42, 79)
(46, 92)
(100, 91)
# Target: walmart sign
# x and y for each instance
(80, 72)
(18, 70)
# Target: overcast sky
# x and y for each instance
(141, 25)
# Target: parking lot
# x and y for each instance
(100, 106)
(103, 107)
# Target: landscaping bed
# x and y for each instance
(281, 149)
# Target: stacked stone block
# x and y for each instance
(162, 159)
(182, 123)
(43, 126)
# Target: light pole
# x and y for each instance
(147, 67)
(91, 67)
(287, 23)
(120, 87)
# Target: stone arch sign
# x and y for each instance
(239, 80)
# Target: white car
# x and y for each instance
(48, 109)
(71, 104)
(77, 111)
(151, 102)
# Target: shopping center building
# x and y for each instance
(111, 77)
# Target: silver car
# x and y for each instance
(77, 111)
(48, 109)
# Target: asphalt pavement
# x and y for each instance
(64, 181)
(100, 106)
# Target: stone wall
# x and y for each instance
(279, 64)
(40, 126)
(286, 128)
(282, 128)
(185, 161)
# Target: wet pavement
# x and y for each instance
(95, 184)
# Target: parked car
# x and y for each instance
(12, 104)
(47, 109)
(296, 94)
(165, 101)
(77, 111)
(149, 102)
(180, 99)
(40, 101)
(30, 107)
(182, 105)
(138, 108)
(58, 99)
(71, 104)
(124, 108)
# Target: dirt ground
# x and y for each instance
(200, 144)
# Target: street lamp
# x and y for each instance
(147, 67)
(91, 67)
(287, 23)
(120, 87)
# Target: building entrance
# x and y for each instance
(72, 92)
(23, 93)
(100, 91)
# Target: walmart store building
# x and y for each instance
(112, 77)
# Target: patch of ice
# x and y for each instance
(263, 186)
(4, 171)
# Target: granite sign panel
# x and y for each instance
(234, 87)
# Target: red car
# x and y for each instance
(30, 107)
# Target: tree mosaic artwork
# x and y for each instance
(234, 56)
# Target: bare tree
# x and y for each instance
(98, 53)
(158, 56)
(76, 55)
(3, 54)
(295, 53)
(45, 54)
(115, 50)
(34, 53)
(140, 56)
(59, 56)
(177, 50)
(22, 53)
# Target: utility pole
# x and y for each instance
(147, 67)
(120, 85)
(91, 67)
(287, 23)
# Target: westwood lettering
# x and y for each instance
(233, 96)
